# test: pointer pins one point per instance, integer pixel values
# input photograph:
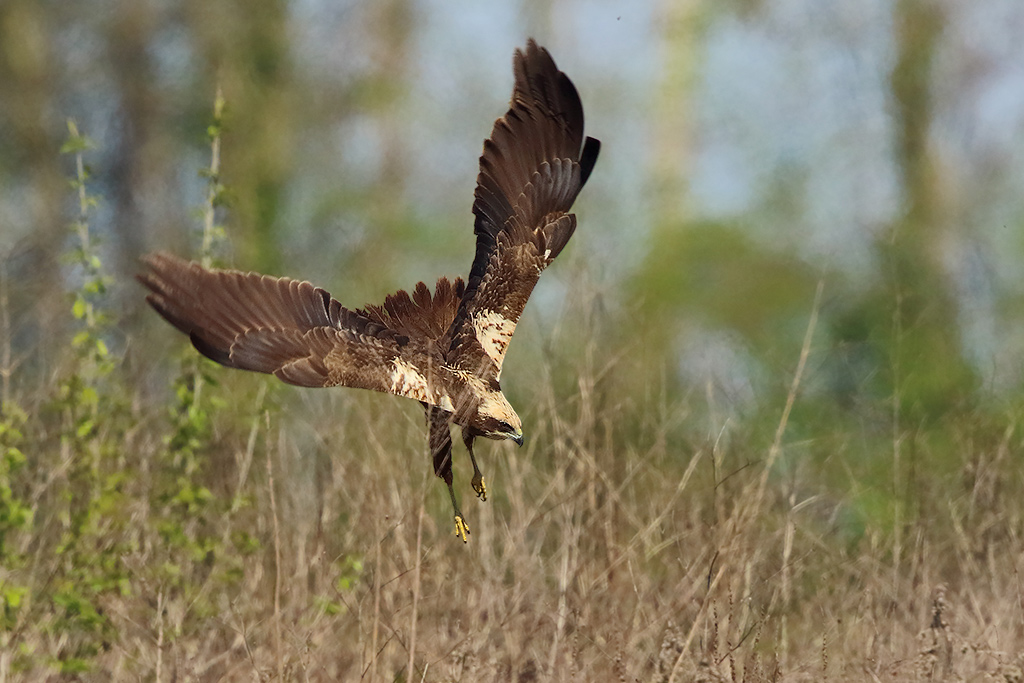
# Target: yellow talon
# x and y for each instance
(480, 488)
(461, 528)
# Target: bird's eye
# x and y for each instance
(504, 426)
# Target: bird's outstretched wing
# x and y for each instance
(533, 166)
(297, 332)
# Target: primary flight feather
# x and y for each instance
(443, 348)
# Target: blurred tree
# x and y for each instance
(129, 40)
(707, 274)
(910, 317)
(901, 340)
(245, 46)
(682, 25)
(657, 284)
(30, 169)
(384, 89)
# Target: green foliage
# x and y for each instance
(15, 517)
(713, 273)
(348, 574)
(91, 518)
(214, 234)
(15, 513)
(889, 378)
(76, 144)
(183, 508)
(199, 555)
(94, 546)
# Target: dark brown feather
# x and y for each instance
(289, 328)
(421, 315)
(439, 437)
(532, 168)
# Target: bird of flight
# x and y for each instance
(444, 349)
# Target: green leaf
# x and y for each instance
(15, 458)
(89, 395)
(78, 308)
(76, 145)
(74, 665)
(84, 429)
(13, 595)
(21, 516)
(328, 607)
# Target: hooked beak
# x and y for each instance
(518, 438)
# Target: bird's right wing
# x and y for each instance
(294, 330)
(533, 166)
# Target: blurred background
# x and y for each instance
(751, 150)
(826, 191)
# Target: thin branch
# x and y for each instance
(277, 556)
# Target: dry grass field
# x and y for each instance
(267, 533)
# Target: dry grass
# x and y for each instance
(593, 562)
(616, 547)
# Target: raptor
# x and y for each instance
(443, 348)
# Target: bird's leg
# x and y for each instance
(441, 447)
(461, 528)
(478, 477)
(440, 439)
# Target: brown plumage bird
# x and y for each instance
(443, 348)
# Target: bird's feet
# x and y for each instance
(479, 486)
(461, 528)
(478, 478)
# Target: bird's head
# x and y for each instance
(496, 419)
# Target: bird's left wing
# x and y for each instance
(533, 166)
(298, 332)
